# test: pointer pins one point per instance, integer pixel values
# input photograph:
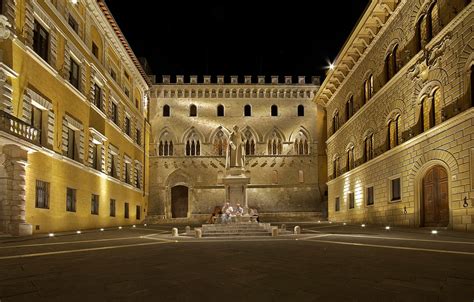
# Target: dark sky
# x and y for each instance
(237, 37)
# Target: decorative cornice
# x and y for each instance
(123, 41)
(370, 27)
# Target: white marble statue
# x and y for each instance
(235, 156)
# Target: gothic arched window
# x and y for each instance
(368, 88)
(275, 144)
(301, 144)
(249, 143)
(335, 122)
(349, 108)
(165, 146)
(220, 143)
(428, 26)
(193, 145)
(369, 147)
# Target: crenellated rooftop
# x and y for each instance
(236, 80)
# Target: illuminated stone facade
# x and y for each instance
(73, 133)
(400, 120)
(191, 121)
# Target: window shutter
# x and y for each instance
(67, 63)
(6, 91)
(53, 48)
(81, 145)
(26, 107)
(64, 137)
(82, 72)
(51, 117)
(29, 23)
(102, 158)
(91, 152)
(109, 160)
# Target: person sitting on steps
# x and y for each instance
(216, 214)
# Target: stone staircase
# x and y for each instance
(236, 229)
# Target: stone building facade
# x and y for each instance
(73, 129)
(191, 121)
(400, 117)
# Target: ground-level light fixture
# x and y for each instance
(434, 232)
(51, 234)
(134, 226)
(363, 225)
(101, 229)
(144, 224)
(344, 223)
(119, 227)
(78, 232)
(387, 227)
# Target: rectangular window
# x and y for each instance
(396, 189)
(41, 41)
(114, 113)
(350, 197)
(139, 212)
(337, 204)
(126, 213)
(370, 196)
(113, 168)
(98, 96)
(127, 173)
(70, 200)
(137, 179)
(112, 207)
(42, 194)
(127, 125)
(71, 144)
(37, 120)
(138, 137)
(95, 204)
(74, 74)
(95, 50)
(73, 23)
(113, 74)
(96, 156)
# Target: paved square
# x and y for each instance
(327, 262)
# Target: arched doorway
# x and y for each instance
(179, 202)
(434, 203)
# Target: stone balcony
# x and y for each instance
(18, 128)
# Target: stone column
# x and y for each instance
(13, 191)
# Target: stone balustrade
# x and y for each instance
(18, 128)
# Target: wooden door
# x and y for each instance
(435, 204)
(179, 202)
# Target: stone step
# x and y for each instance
(232, 234)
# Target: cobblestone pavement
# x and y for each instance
(327, 262)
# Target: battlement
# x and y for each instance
(236, 80)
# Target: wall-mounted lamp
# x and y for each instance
(465, 204)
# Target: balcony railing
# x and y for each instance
(18, 128)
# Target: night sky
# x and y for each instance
(237, 38)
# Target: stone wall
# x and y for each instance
(284, 183)
(445, 64)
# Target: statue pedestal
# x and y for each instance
(235, 183)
